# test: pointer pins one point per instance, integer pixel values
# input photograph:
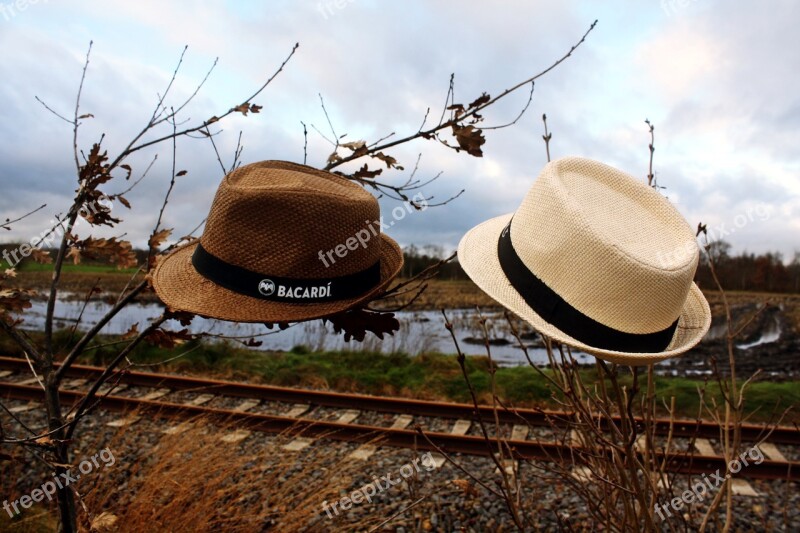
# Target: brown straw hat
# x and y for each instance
(283, 243)
(596, 260)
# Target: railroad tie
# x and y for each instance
(236, 436)
(177, 429)
(739, 486)
(461, 427)
(75, 383)
(511, 466)
(519, 432)
(301, 443)
(112, 388)
(239, 435)
(704, 447)
(366, 451)
(772, 452)
(581, 473)
(122, 422)
(23, 408)
(297, 410)
(348, 416)
(30, 381)
(155, 394)
(201, 399)
(246, 405)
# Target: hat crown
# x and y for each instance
(629, 266)
(275, 217)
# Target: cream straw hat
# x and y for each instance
(597, 260)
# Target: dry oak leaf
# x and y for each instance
(470, 139)
(41, 256)
(169, 339)
(355, 324)
(158, 238)
(119, 253)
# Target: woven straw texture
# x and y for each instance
(612, 247)
(274, 217)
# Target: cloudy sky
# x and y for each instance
(720, 81)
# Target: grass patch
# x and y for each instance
(69, 267)
(427, 376)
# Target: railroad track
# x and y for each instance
(775, 466)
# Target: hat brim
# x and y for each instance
(182, 288)
(477, 254)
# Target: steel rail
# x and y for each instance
(682, 463)
(533, 417)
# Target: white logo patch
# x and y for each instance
(266, 287)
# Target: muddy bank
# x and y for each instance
(768, 341)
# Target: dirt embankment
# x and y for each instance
(768, 341)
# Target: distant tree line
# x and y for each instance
(749, 272)
(418, 259)
(743, 272)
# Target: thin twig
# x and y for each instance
(468, 114)
(8, 222)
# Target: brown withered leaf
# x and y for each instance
(470, 139)
(104, 522)
(157, 238)
(44, 441)
(256, 108)
(466, 487)
(87, 115)
(119, 253)
(94, 171)
(366, 173)
(183, 317)
(97, 209)
(10, 273)
(75, 255)
(354, 145)
(357, 322)
(458, 108)
(181, 173)
(252, 343)
(131, 333)
(334, 158)
(482, 99)
(389, 160)
(242, 108)
(212, 120)
(15, 300)
(41, 256)
(169, 339)
(358, 148)
(128, 169)
(124, 201)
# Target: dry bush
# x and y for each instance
(190, 481)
